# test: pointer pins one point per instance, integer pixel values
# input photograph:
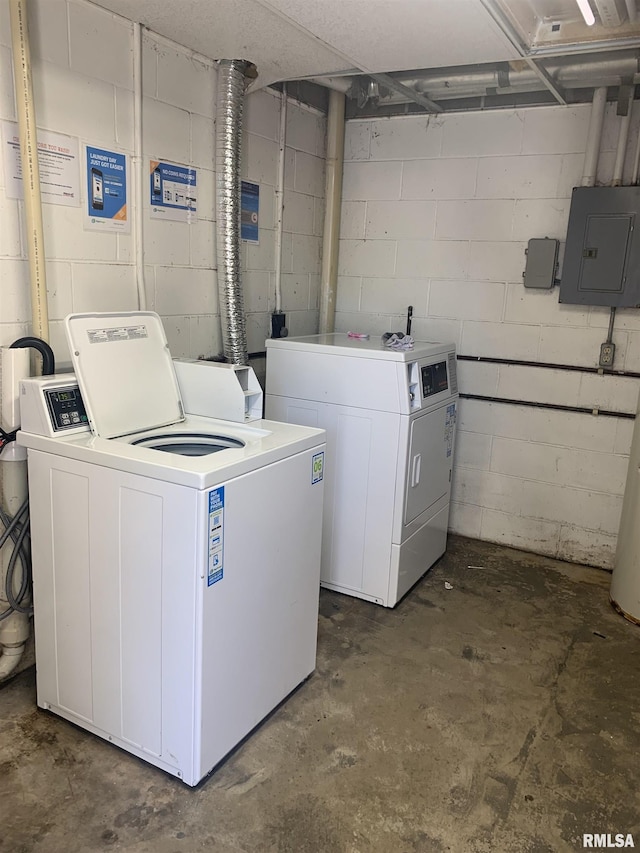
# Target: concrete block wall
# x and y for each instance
(437, 214)
(303, 217)
(83, 86)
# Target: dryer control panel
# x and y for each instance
(434, 378)
(431, 379)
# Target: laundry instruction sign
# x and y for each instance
(106, 191)
(57, 161)
(173, 191)
(216, 535)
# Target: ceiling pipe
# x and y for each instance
(504, 23)
(405, 91)
(623, 138)
(594, 135)
(333, 200)
(505, 79)
(631, 9)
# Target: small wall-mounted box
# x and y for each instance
(542, 263)
(602, 256)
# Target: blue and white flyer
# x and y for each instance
(106, 191)
(173, 191)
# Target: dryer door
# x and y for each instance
(430, 460)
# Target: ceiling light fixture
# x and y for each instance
(587, 14)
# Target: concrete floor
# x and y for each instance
(500, 715)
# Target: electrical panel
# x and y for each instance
(542, 263)
(602, 255)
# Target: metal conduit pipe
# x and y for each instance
(333, 201)
(231, 86)
(503, 79)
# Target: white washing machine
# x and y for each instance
(390, 420)
(176, 558)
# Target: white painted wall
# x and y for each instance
(83, 84)
(437, 214)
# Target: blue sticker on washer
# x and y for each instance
(216, 535)
(317, 468)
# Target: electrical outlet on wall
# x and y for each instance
(607, 354)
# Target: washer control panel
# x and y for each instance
(66, 408)
(52, 406)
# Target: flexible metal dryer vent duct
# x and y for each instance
(231, 84)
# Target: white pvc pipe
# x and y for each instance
(631, 9)
(333, 202)
(594, 135)
(138, 170)
(623, 138)
(636, 163)
(280, 195)
(30, 168)
(625, 582)
(11, 656)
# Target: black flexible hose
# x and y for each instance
(16, 601)
(17, 527)
(48, 358)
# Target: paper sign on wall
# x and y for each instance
(57, 161)
(173, 191)
(106, 208)
(249, 211)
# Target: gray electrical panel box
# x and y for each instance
(542, 263)
(602, 255)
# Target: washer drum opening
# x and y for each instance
(189, 444)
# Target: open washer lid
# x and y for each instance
(124, 370)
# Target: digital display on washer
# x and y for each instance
(434, 378)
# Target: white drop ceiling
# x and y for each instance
(297, 39)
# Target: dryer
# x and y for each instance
(176, 557)
(390, 419)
